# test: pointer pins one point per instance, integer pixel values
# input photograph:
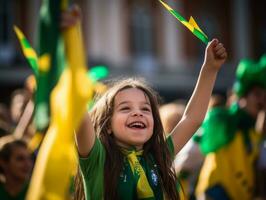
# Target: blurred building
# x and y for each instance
(136, 37)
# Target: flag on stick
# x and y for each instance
(191, 24)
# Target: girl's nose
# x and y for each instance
(137, 113)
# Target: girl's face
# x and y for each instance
(132, 121)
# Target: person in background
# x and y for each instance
(19, 99)
(5, 120)
(188, 161)
(229, 139)
(15, 168)
(261, 164)
(22, 110)
(171, 114)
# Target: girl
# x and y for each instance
(123, 153)
(121, 144)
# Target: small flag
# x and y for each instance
(27, 50)
(191, 24)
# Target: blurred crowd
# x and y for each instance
(16, 130)
(226, 158)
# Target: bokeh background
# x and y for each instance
(140, 38)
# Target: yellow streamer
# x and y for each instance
(57, 159)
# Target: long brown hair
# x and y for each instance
(101, 115)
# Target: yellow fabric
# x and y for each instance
(195, 25)
(99, 87)
(231, 167)
(57, 160)
(183, 194)
(44, 63)
(29, 52)
(188, 25)
(166, 6)
(35, 141)
(143, 187)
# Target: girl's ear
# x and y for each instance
(109, 131)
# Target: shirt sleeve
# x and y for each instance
(95, 158)
(170, 144)
(92, 170)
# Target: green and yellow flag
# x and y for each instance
(49, 43)
(28, 51)
(57, 160)
(49, 66)
(191, 24)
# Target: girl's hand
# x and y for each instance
(70, 17)
(215, 55)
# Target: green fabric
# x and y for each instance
(248, 74)
(33, 61)
(92, 169)
(171, 147)
(49, 41)
(143, 188)
(98, 72)
(127, 184)
(220, 126)
(4, 195)
(201, 36)
(184, 174)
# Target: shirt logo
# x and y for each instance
(154, 177)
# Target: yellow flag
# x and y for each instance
(57, 159)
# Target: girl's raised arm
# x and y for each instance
(215, 56)
(85, 136)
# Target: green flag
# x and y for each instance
(49, 42)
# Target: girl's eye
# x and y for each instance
(124, 108)
(146, 109)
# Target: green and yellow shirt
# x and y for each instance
(92, 169)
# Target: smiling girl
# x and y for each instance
(123, 152)
(121, 143)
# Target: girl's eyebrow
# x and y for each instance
(122, 103)
(128, 102)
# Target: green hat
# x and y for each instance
(248, 74)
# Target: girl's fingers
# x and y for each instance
(220, 51)
(218, 46)
(223, 55)
(75, 10)
(213, 43)
(67, 23)
(70, 17)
